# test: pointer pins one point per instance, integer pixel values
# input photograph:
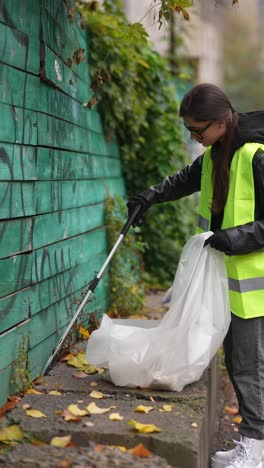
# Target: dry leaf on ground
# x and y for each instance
(34, 413)
(94, 409)
(89, 424)
(116, 417)
(68, 416)
(32, 391)
(165, 408)
(76, 411)
(60, 441)
(67, 357)
(194, 424)
(9, 405)
(54, 392)
(120, 447)
(93, 384)
(143, 409)
(11, 433)
(80, 375)
(237, 419)
(140, 451)
(144, 428)
(96, 394)
(83, 332)
(82, 364)
(231, 410)
(26, 406)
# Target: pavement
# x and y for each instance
(183, 441)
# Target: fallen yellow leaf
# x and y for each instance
(83, 332)
(34, 413)
(11, 433)
(94, 409)
(54, 392)
(143, 427)
(80, 375)
(143, 409)
(76, 411)
(93, 384)
(89, 424)
(120, 447)
(237, 419)
(60, 441)
(26, 406)
(32, 391)
(194, 424)
(165, 408)
(67, 357)
(116, 417)
(81, 363)
(96, 394)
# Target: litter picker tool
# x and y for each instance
(93, 284)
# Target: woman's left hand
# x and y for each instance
(220, 241)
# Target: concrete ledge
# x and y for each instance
(186, 431)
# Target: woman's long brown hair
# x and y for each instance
(207, 102)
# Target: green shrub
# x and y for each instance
(140, 107)
(126, 285)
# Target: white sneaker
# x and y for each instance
(248, 454)
(223, 457)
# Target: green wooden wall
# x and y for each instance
(56, 169)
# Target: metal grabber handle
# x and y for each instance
(92, 286)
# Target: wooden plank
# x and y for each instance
(11, 343)
(19, 199)
(58, 73)
(18, 126)
(15, 308)
(19, 49)
(19, 306)
(5, 384)
(57, 133)
(52, 227)
(71, 282)
(56, 258)
(64, 39)
(54, 195)
(16, 199)
(15, 237)
(16, 14)
(58, 164)
(15, 273)
(39, 96)
(12, 81)
(17, 162)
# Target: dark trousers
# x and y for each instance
(244, 358)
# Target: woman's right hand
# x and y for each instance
(135, 201)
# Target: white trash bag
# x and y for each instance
(172, 352)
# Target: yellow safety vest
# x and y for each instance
(245, 272)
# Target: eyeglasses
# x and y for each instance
(197, 132)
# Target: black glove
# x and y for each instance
(220, 241)
(144, 205)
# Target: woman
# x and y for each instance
(230, 176)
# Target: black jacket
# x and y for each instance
(247, 237)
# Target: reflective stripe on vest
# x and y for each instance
(245, 272)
